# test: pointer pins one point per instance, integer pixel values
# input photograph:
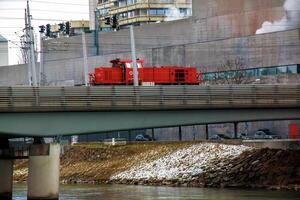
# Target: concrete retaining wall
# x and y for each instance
(281, 48)
(213, 20)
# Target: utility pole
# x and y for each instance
(31, 41)
(27, 49)
(133, 56)
(41, 60)
(97, 29)
(85, 62)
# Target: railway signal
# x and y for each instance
(114, 23)
(107, 20)
(68, 27)
(48, 30)
(61, 27)
(42, 29)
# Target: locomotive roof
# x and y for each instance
(126, 60)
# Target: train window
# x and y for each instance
(180, 76)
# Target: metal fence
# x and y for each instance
(117, 98)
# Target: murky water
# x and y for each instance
(121, 192)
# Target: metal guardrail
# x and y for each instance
(117, 98)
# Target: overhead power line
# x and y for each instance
(55, 2)
(48, 2)
(43, 10)
(34, 19)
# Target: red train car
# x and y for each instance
(121, 73)
(171, 75)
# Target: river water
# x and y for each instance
(123, 192)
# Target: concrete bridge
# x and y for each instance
(52, 111)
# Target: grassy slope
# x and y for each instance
(96, 163)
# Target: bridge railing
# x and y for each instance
(109, 98)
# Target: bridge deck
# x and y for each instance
(125, 98)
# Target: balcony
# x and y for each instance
(136, 6)
(141, 18)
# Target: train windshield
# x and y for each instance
(129, 65)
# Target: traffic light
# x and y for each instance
(48, 30)
(115, 23)
(68, 27)
(107, 20)
(42, 29)
(61, 27)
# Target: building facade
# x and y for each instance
(75, 28)
(139, 12)
(3, 51)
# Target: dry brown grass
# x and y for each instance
(95, 162)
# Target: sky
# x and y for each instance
(42, 11)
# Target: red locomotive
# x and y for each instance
(121, 73)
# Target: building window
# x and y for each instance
(270, 71)
(267, 71)
(281, 70)
(292, 69)
(250, 73)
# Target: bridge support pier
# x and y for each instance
(6, 178)
(43, 176)
(6, 170)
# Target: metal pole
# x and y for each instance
(235, 130)
(85, 62)
(153, 133)
(180, 133)
(129, 135)
(41, 70)
(33, 67)
(206, 132)
(133, 55)
(27, 48)
(97, 16)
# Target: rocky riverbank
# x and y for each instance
(178, 164)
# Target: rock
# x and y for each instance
(255, 162)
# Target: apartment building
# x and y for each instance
(139, 12)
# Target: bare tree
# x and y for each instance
(231, 72)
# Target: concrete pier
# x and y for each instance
(43, 177)
(6, 179)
